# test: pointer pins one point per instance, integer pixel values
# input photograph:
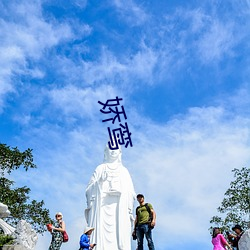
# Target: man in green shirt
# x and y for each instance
(144, 223)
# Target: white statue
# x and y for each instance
(25, 235)
(4, 212)
(110, 197)
(244, 242)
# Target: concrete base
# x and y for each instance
(13, 247)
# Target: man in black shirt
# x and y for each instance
(239, 231)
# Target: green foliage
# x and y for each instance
(6, 240)
(11, 159)
(17, 199)
(235, 206)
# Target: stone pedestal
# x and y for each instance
(13, 247)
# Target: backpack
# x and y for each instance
(149, 212)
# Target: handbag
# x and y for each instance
(65, 236)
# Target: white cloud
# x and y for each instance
(10, 58)
(80, 3)
(131, 12)
(31, 33)
(217, 42)
(142, 64)
(198, 19)
(240, 100)
(82, 102)
(190, 34)
(105, 69)
(121, 71)
(25, 35)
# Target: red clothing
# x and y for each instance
(219, 242)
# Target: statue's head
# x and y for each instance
(111, 156)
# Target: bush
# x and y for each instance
(6, 240)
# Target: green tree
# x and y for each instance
(17, 199)
(235, 207)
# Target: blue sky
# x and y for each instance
(182, 69)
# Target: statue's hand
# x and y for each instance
(104, 176)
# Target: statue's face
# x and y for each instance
(112, 155)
